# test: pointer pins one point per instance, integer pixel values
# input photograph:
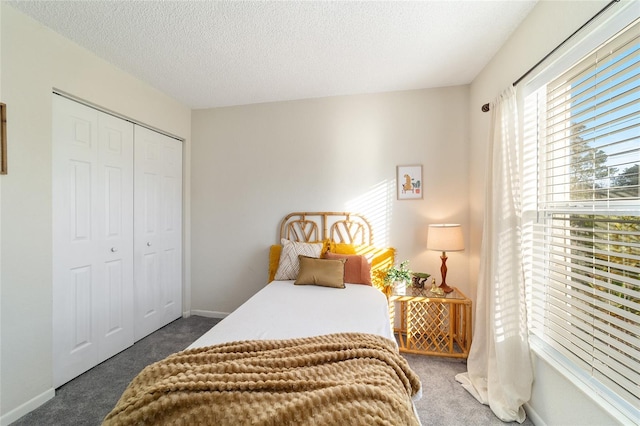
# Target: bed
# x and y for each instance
(314, 346)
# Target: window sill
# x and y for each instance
(621, 410)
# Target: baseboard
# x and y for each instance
(533, 415)
(27, 407)
(209, 314)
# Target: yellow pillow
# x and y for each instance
(381, 259)
(343, 248)
(322, 272)
(274, 260)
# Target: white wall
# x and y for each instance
(555, 400)
(35, 60)
(251, 165)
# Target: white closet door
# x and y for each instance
(115, 187)
(158, 230)
(92, 237)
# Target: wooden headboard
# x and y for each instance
(339, 227)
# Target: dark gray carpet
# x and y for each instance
(87, 399)
(444, 401)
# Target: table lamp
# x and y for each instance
(444, 238)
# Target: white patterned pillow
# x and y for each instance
(289, 265)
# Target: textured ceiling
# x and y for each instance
(222, 53)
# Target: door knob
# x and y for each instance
(148, 244)
(113, 249)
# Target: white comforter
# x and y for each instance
(282, 310)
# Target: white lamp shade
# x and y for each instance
(445, 237)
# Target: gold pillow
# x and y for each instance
(322, 272)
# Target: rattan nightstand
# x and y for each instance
(430, 324)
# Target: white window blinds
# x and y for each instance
(583, 256)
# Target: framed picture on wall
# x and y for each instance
(3, 139)
(409, 182)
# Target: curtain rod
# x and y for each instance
(485, 107)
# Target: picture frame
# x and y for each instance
(409, 183)
(3, 139)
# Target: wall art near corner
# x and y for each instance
(3, 139)
(409, 182)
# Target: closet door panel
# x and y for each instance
(171, 273)
(80, 181)
(115, 189)
(148, 278)
(158, 230)
(172, 228)
(116, 313)
(75, 268)
(92, 200)
(172, 231)
(81, 308)
(149, 290)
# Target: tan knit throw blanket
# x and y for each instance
(337, 379)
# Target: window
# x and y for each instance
(582, 218)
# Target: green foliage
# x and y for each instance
(588, 168)
(625, 184)
(609, 245)
(628, 177)
(401, 273)
(609, 252)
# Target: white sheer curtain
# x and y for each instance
(499, 371)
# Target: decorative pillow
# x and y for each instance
(289, 265)
(356, 269)
(380, 259)
(345, 248)
(274, 260)
(322, 272)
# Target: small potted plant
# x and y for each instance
(400, 275)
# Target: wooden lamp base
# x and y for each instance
(443, 271)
